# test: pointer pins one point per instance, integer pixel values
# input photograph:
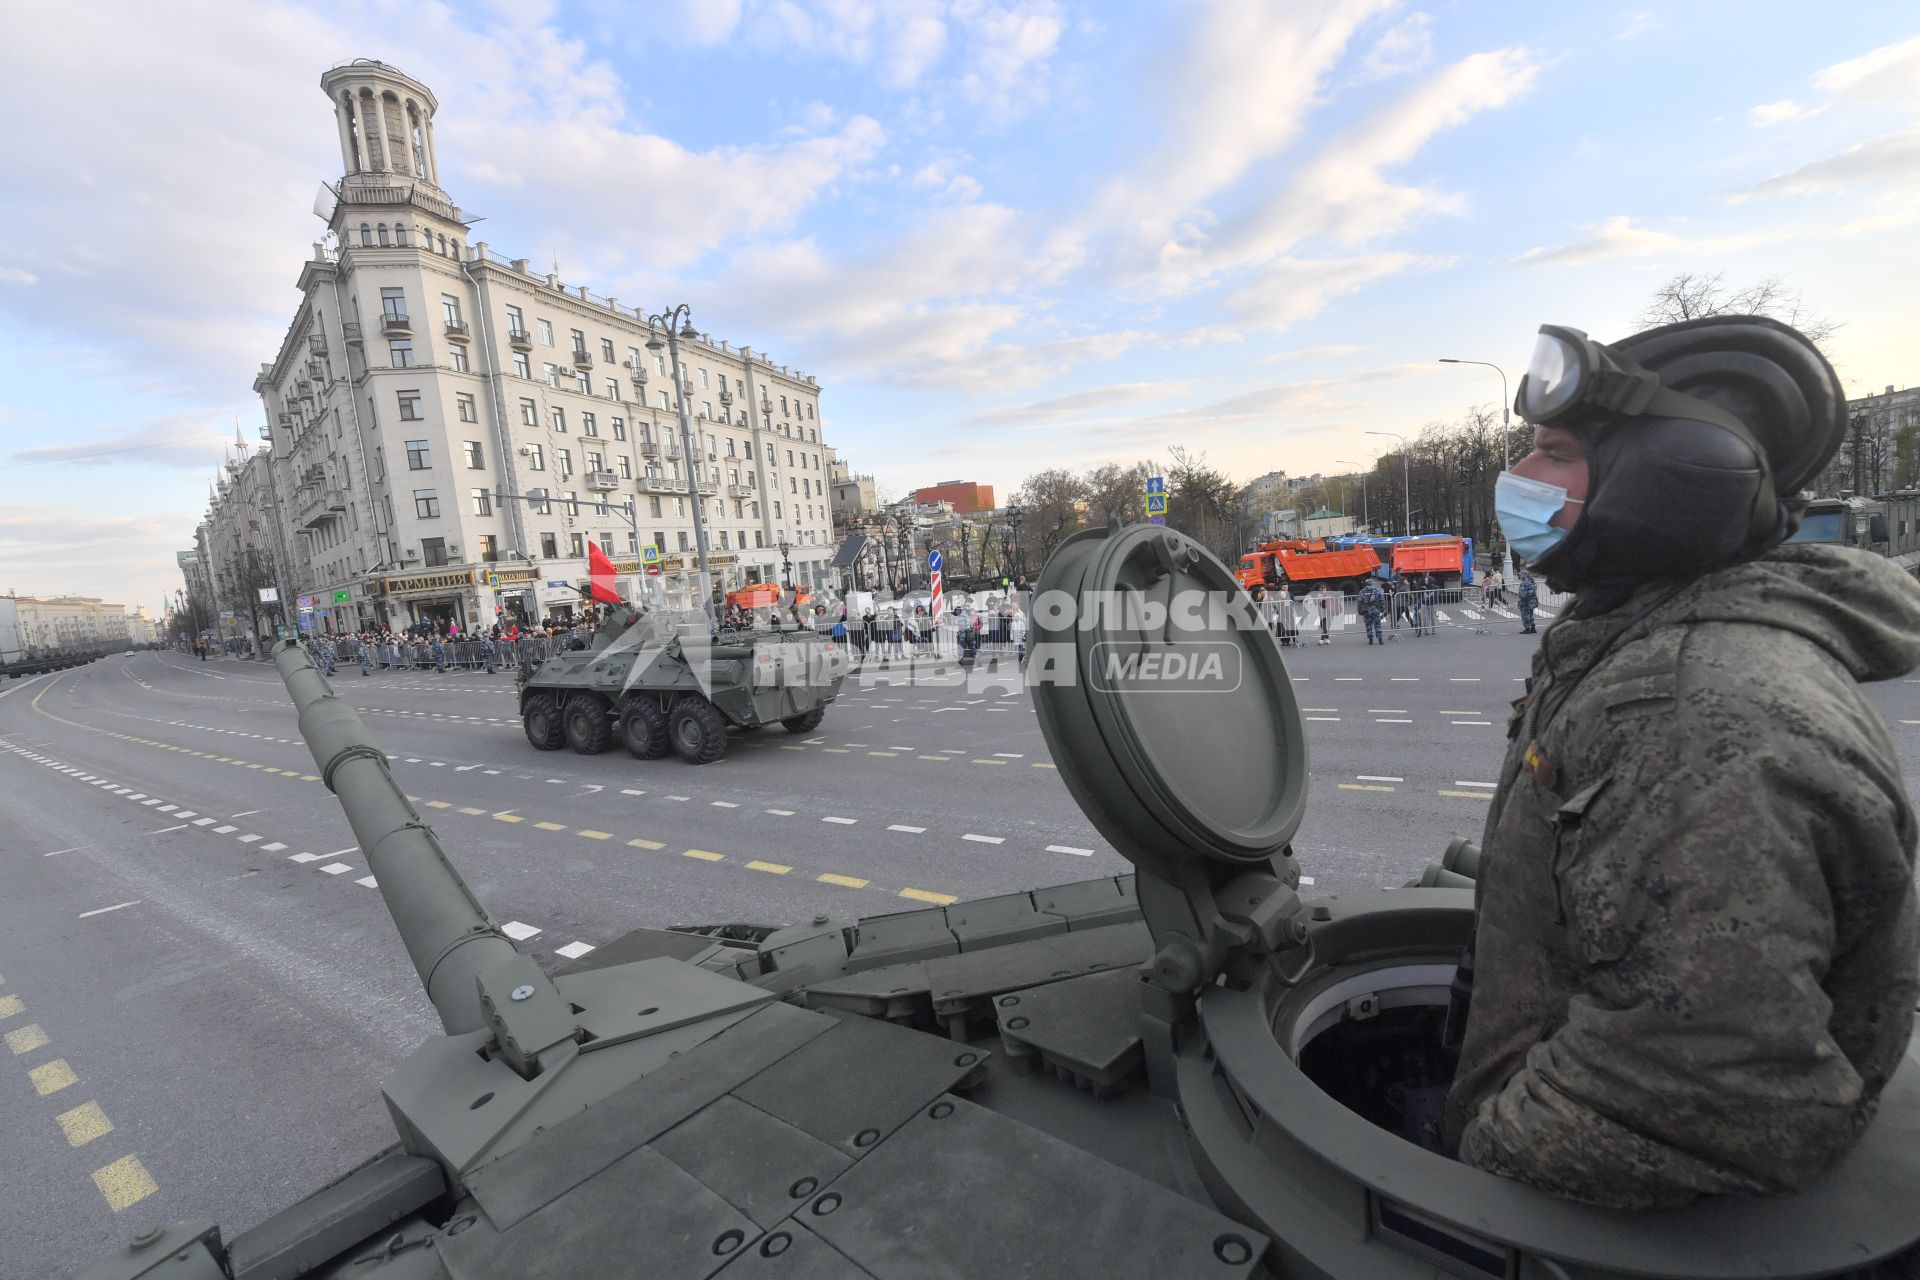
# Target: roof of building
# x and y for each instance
(1324, 514)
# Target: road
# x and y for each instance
(200, 990)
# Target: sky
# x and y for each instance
(1004, 234)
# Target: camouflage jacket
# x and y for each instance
(1697, 930)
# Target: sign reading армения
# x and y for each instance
(426, 583)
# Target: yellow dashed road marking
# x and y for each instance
(787, 747)
(551, 826)
(591, 834)
(53, 1077)
(438, 804)
(837, 751)
(884, 755)
(771, 868)
(922, 895)
(1358, 786)
(639, 843)
(1046, 766)
(473, 812)
(983, 760)
(704, 855)
(508, 817)
(26, 1039)
(10, 1005)
(940, 759)
(1470, 795)
(845, 882)
(84, 1123)
(124, 1183)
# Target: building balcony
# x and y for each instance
(659, 484)
(740, 491)
(317, 344)
(601, 481)
(457, 331)
(519, 339)
(315, 505)
(352, 330)
(396, 326)
(582, 358)
(648, 449)
(638, 372)
(709, 486)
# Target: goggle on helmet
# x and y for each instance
(1571, 380)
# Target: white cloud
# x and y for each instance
(1890, 73)
(17, 275)
(1406, 46)
(1290, 290)
(1635, 23)
(1891, 160)
(1079, 403)
(1329, 351)
(1621, 237)
(1007, 47)
(1782, 112)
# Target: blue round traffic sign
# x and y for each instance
(933, 561)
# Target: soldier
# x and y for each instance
(1529, 601)
(1697, 933)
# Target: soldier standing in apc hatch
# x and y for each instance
(1696, 934)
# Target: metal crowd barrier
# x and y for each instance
(1407, 612)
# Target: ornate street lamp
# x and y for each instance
(677, 322)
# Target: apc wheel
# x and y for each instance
(643, 728)
(698, 730)
(588, 726)
(542, 721)
(806, 721)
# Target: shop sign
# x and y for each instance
(418, 584)
(343, 595)
(525, 573)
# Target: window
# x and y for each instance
(682, 535)
(426, 505)
(576, 545)
(529, 414)
(613, 388)
(588, 426)
(583, 384)
(789, 457)
(409, 406)
(659, 363)
(400, 352)
(536, 458)
(626, 467)
(579, 341)
(619, 428)
(758, 539)
(783, 406)
(680, 508)
(664, 402)
(539, 504)
(482, 502)
(489, 548)
(400, 236)
(606, 350)
(419, 457)
(457, 357)
(476, 458)
(592, 459)
(384, 241)
(522, 367)
(549, 546)
(393, 303)
(730, 453)
(706, 408)
(450, 308)
(433, 551)
(563, 462)
(704, 384)
(366, 236)
(606, 542)
(516, 322)
(573, 503)
(633, 543)
(560, 420)
(546, 332)
(466, 407)
(724, 542)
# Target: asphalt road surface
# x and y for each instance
(200, 990)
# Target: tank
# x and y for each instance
(1186, 1071)
(656, 682)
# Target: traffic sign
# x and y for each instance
(1156, 484)
(559, 584)
(650, 554)
(1156, 504)
(493, 580)
(1156, 519)
(933, 561)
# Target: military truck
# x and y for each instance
(1186, 1071)
(660, 682)
(1887, 525)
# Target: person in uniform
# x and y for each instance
(1696, 930)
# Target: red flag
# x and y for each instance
(600, 576)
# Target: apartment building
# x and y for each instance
(449, 430)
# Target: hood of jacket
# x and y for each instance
(1859, 607)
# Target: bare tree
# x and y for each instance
(1115, 493)
(1205, 505)
(1691, 295)
(1051, 505)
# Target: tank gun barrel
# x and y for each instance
(446, 931)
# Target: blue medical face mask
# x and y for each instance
(1525, 509)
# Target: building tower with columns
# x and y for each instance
(422, 378)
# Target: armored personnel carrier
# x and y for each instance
(659, 682)
(1189, 1071)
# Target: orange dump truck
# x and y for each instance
(764, 595)
(1439, 558)
(1299, 565)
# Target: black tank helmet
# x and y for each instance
(1699, 437)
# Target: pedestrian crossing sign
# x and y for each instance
(1156, 504)
(493, 580)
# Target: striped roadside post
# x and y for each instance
(933, 576)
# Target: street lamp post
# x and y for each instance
(1506, 432)
(1365, 518)
(786, 565)
(677, 321)
(1406, 488)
